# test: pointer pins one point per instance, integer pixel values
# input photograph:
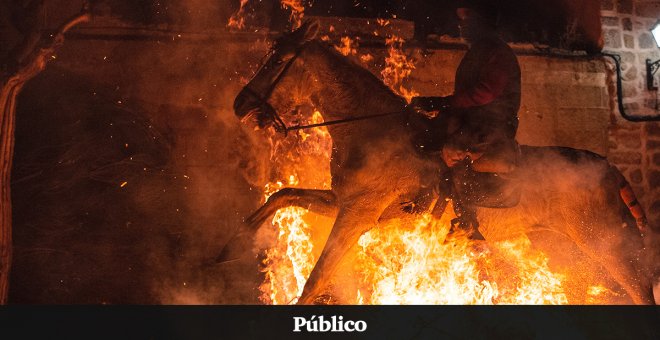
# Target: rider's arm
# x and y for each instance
(493, 80)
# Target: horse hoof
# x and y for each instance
(326, 299)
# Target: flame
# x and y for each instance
(237, 20)
(395, 263)
(291, 255)
(416, 263)
(397, 68)
(366, 58)
(288, 264)
(297, 11)
(532, 282)
(420, 265)
(319, 133)
(596, 290)
(348, 46)
(401, 262)
(597, 294)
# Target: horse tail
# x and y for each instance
(628, 196)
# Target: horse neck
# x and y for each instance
(342, 89)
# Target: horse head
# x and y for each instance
(262, 98)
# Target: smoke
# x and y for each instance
(577, 218)
(131, 169)
(220, 164)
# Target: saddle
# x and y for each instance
(485, 189)
(468, 188)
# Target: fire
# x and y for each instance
(598, 294)
(291, 255)
(397, 68)
(288, 264)
(348, 46)
(411, 266)
(297, 12)
(366, 58)
(532, 281)
(421, 265)
(320, 133)
(237, 20)
(416, 263)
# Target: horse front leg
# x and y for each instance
(353, 220)
(322, 202)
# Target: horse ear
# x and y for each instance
(309, 29)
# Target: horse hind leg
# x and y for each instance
(617, 249)
(353, 220)
(623, 271)
(345, 233)
(322, 202)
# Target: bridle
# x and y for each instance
(265, 106)
(271, 113)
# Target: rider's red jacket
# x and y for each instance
(487, 83)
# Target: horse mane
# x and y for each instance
(376, 86)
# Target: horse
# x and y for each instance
(375, 166)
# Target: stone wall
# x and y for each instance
(565, 101)
(635, 146)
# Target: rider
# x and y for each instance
(482, 112)
(480, 118)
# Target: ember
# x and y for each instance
(297, 11)
(237, 20)
(347, 46)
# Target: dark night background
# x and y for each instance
(538, 21)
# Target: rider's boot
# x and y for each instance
(466, 221)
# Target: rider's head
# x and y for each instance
(476, 18)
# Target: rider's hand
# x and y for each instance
(425, 113)
(430, 107)
(453, 155)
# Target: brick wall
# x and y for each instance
(635, 147)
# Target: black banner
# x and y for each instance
(285, 322)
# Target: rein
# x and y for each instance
(339, 121)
